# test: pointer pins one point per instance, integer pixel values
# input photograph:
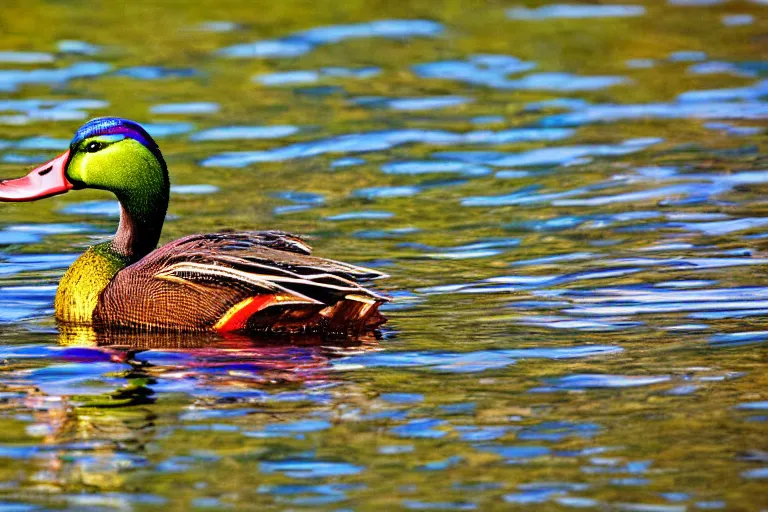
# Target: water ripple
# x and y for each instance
(596, 381)
(575, 11)
(185, 108)
(696, 110)
(570, 198)
(310, 468)
(300, 43)
(299, 77)
(379, 141)
(547, 156)
(245, 133)
(470, 362)
(492, 70)
(11, 80)
(15, 57)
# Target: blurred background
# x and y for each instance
(570, 199)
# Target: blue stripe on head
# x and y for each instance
(116, 126)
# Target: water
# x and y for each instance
(569, 199)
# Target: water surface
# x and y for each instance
(570, 199)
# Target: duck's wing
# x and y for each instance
(239, 281)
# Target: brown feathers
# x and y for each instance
(250, 281)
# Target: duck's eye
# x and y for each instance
(94, 146)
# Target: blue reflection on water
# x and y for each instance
(379, 141)
(687, 56)
(25, 57)
(492, 71)
(245, 132)
(736, 20)
(512, 452)
(22, 302)
(455, 362)
(289, 77)
(43, 142)
(161, 130)
(402, 398)
(31, 110)
(436, 167)
(414, 104)
(11, 80)
(589, 381)
(300, 43)
(299, 77)
(17, 263)
(386, 192)
(548, 156)
(196, 190)
(12, 158)
(651, 240)
(421, 428)
(156, 72)
(576, 11)
(185, 108)
(693, 110)
(109, 208)
(740, 338)
(557, 431)
(291, 429)
(75, 47)
(310, 468)
(361, 215)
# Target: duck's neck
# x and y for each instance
(141, 220)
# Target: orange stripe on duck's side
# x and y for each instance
(236, 318)
(356, 310)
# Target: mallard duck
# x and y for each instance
(224, 282)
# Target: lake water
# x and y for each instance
(570, 200)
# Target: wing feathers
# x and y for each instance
(254, 280)
(254, 260)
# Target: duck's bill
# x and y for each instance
(45, 181)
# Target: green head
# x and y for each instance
(119, 156)
(110, 154)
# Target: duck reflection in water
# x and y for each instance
(214, 357)
(96, 438)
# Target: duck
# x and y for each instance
(227, 282)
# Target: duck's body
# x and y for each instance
(251, 281)
(224, 282)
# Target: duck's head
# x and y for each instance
(110, 154)
(107, 153)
